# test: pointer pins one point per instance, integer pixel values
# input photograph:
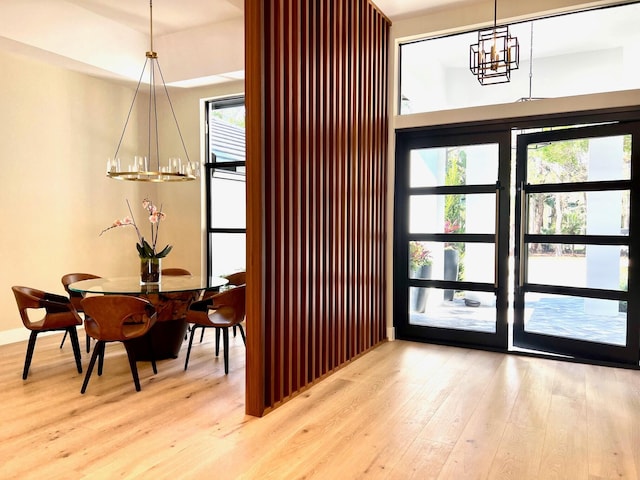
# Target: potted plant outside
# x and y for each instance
(420, 262)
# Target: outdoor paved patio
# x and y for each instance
(547, 314)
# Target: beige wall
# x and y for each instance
(57, 129)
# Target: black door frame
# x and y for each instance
(587, 350)
(409, 138)
(407, 142)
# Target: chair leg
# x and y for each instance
(202, 335)
(244, 338)
(63, 339)
(101, 358)
(217, 342)
(152, 354)
(225, 340)
(75, 344)
(88, 342)
(234, 331)
(30, 347)
(132, 364)
(193, 331)
(96, 352)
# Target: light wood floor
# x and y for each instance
(402, 411)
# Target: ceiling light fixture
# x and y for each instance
(147, 168)
(495, 54)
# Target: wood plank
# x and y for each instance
(381, 416)
(609, 435)
(565, 451)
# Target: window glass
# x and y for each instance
(598, 52)
(228, 253)
(228, 200)
(581, 160)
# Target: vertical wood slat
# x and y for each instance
(316, 190)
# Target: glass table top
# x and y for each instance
(131, 285)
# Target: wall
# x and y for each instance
(57, 129)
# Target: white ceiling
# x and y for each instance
(109, 37)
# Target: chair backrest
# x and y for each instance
(231, 303)
(70, 278)
(175, 272)
(31, 298)
(118, 317)
(238, 278)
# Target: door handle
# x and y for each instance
(497, 237)
(523, 229)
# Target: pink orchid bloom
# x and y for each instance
(155, 216)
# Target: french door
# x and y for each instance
(576, 209)
(565, 285)
(452, 238)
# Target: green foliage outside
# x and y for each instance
(454, 205)
(561, 213)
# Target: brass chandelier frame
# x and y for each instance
(141, 169)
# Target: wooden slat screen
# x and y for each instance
(316, 98)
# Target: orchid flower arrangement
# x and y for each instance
(145, 249)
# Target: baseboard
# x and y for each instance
(391, 333)
(17, 335)
(14, 336)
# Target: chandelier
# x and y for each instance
(495, 54)
(147, 167)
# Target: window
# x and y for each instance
(595, 52)
(225, 188)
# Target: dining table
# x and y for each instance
(171, 297)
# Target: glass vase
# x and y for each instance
(150, 270)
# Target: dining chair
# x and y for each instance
(235, 279)
(117, 318)
(228, 310)
(175, 272)
(76, 298)
(59, 315)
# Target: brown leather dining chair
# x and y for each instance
(175, 272)
(235, 279)
(228, 310)
(59, 315)
(117, 318)
(76, 297)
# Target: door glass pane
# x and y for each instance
(463, 165)
(587, 319)
(463, 261)
(582, 160)
(579, 213)
(458, 310)
(584, 266)
(472, 213)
